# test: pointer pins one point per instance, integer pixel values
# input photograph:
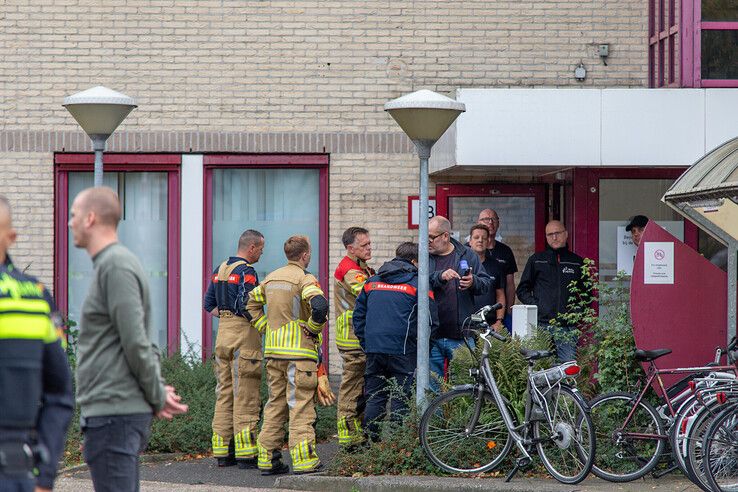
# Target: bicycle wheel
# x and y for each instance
(566, 441)
(720, 450)
(623, 456)
(677, 433)
(695, 433)
(456, 444)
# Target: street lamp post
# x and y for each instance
(424, 116)
(99, 111)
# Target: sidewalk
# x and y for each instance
(197, 475)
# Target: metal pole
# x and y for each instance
(423, 373)
(98, 145)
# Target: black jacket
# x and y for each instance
(465, 298)
(545, 281)
(386, 313)
(35, 380)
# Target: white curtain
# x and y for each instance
(143, 230)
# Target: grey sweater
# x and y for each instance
(118, 366)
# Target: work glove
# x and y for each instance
(325, 394)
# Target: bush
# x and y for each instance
(398, 453)
(190, 433)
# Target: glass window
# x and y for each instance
(621, 199)
(719, 10)
(143, 229)
(719, 54)
(279, 203)
(517, 222)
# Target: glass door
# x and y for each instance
(521, 210)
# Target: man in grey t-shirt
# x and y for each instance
(119, 385)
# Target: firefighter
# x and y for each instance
(296, 313)
(35, 380)
(350, 276)
(237, 355)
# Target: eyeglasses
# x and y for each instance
(489, 219)
(433, 238)
(555, 233)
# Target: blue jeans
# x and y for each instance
(442, 349)
(507, 321)
(566, 345)
(380, 370)
(10, 483)
(111, 448)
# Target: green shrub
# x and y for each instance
(190, 433)
(398, 453)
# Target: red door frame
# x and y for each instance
(586, 205)
(169, 163)
(262, 161)
(538, 191)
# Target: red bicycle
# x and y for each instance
(631, 434)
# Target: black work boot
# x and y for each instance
(278, 468)
(229, 460)
(247, 463)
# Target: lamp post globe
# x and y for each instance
(424, 116)
(99, 111)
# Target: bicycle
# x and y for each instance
(720, 451)
(631, 433)
(472, 428)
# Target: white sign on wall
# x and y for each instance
(626, 251)
(658, 263)
(413, 204)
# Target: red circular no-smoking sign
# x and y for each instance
(659, 254)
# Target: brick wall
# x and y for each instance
(282, 76)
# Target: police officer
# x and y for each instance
(35, 381)
(296, 313)
(237, 352)
(349, 278)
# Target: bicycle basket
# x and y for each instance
(549, 377)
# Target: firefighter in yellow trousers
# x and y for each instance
(349, 278)
(296, 313)
(237, 355)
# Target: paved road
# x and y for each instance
(204, 472)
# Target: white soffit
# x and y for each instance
(589, 127)
(529, 127)
(721, 124)
(652, 126)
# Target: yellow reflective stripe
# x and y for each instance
(258, 294)
(261, 323)
(307, 353)
(220, 447)
(313, 326)
(265, 460)
(344, 338)
(28, 305)
(356, 288)
(27, 327)
(244, 445)
(310, 291)
(348, 344)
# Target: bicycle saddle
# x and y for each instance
(535, 354)
(649, 355)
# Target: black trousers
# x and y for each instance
(381, 370)
(111, 449)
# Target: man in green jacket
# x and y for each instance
(119, 384)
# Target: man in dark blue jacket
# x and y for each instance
(385, 322)
(36, 402)
(456, 277)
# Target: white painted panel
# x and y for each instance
(721, 117)
(529, 127)
(191, 253)
(652, 126)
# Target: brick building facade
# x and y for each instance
(286, 78)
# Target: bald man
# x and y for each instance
(35, 380)
(545, 283)
(119, 384)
